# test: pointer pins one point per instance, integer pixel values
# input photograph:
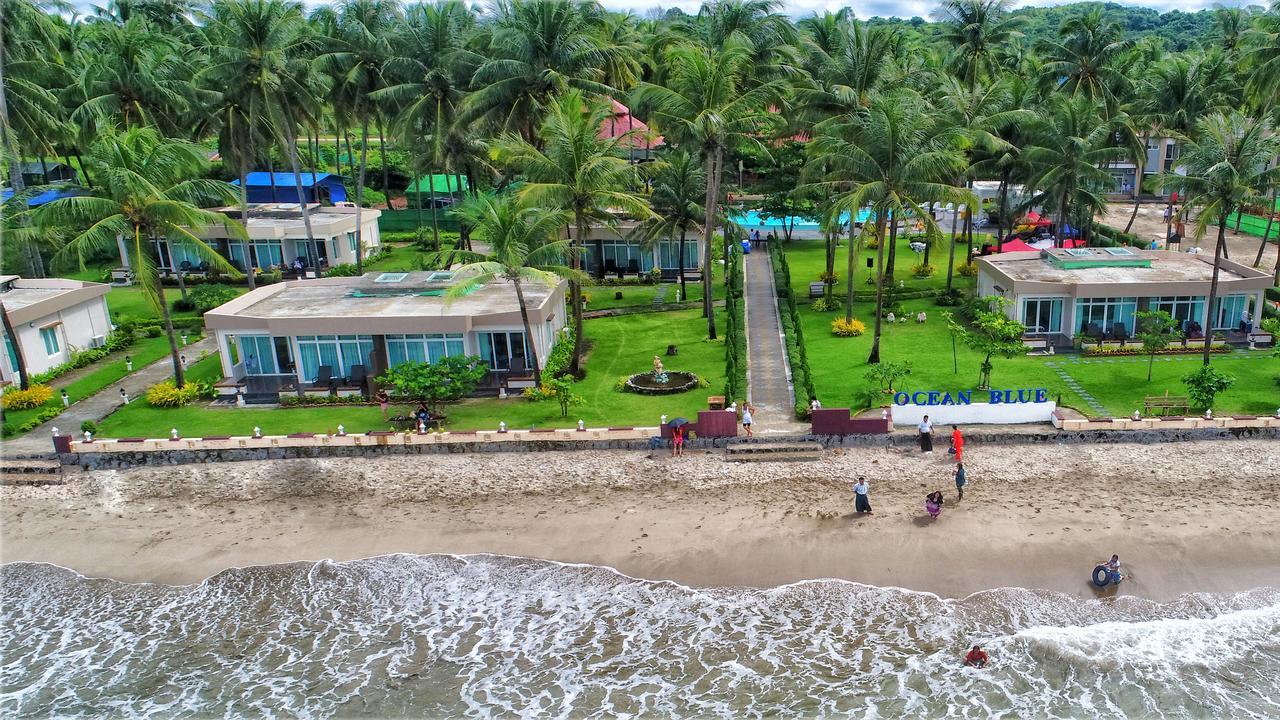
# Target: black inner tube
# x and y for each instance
(1101, 576)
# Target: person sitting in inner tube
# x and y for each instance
(1113, 569)
(976, 657)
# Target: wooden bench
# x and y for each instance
(1035, 343)
(817, 289)
(1165, 403)
(1260, 338)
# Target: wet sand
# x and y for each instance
(1183, 517)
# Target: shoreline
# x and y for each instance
(1182, 521)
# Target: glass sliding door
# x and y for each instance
(1104, 316)
(259, 355)
(423, 348)
(1229, 311)
(503, 351)
(1185, 309)
(1042, 316)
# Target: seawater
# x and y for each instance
(489, 636)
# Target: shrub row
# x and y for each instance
(41, 418)
(17, 399)
(735, 335)
(561, 354)
(1107, 236)
(1120, 350)
(167, 394)
(116, 341)
(306, 400)
(204, 298)
(792, 331)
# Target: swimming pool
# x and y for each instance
(752, 219)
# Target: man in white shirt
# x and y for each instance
(861, 503)
(926, 435)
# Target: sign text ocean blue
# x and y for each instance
(965, 397)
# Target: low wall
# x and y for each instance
(1167, 423)
(976, 413)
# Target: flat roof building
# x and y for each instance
(281, 187)
(280, 335)
(52, 318)
(1099, 291)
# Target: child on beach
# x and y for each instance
(933, 504)
(677, 440)
(746, 418)
(383, 399)
(960, 480)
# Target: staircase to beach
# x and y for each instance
(764, 451)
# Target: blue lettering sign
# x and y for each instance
(1042, 395)
(901, 398)
(965, 397)
(996, 396)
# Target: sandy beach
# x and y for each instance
(1183, 517)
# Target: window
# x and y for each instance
(1183, 308)
(1170, 150)
(12, 352)
(620, 256)
(259, 355)
(351, 242)
(339, 352)
(1230, 308)
(502, 351)
(1042, 316)
(390, 277)
(1096, 316)
(50, 337)
(430, 347)
(268, 253)
(669, 254)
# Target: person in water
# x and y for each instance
(976, 657)
(933, 504)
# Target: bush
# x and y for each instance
(950, 297)
(829, 278)
(561, 354)
(1204, 383)
(307, 400)
(183, 304)
(1271, 325)
(824, 305)
(41, 418)
(922, 270)
(847, 328)
(342, 270)
(89, 426)
(166, 394)
(154, 331)
(207, 297)
(969, 269)
(34, 396)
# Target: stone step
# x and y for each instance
(9, 478)
(750, 451)
(29, 466)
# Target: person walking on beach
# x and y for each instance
(677, 440)
(957, 443)
(383, 400)
(926, 435)
(933, 504)
(861, 504)
(746, 418)
(960, 481)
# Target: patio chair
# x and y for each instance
(610, 267)
(324, 377)
(633, 267)
(358, 376)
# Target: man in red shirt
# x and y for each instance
(957, 442)
(976, 658)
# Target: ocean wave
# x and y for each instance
(486, 636)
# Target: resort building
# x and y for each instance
(1097, 292)
(617, 251)
(280, 187)
(47, 173)
(337, 333)
(51, 318)
(278, 237)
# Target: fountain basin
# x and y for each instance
(647, 384)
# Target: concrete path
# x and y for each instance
(106, 401)
(768, 372)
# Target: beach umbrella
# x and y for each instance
(678, 422)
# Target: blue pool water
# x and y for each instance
(752, 219)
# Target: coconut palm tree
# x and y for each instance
(1262, 58)
(523, 248)
(1068, 157)
(152, 189)
(894, 159)
(707, 106)
(575, 170)
(1088, 58)
(980, 33)
(1227, 165)
(678, 184)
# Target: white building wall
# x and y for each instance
(76, 327)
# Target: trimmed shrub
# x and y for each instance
(34, 396)
(41, 418)
(89, 426)
(560, 356)
(847, 328)
(166, 394)
(306, 400)
(207, 297)
(341, 270)
(950, 298)
(922, 270)
(183, 304)
(969, 269)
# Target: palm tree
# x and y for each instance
(894, 159)
(577, 171)
(980, 33)
(1262, 58)
(1087, 59)
(755, 24)
(1072, 146)
(678, 184)
(706, 105)
(538, 49)
(1227, 165)
(363, 33)
(152, 189)
(523, 248)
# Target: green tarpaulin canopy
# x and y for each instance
(441, 184)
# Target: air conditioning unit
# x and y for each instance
(97, 341)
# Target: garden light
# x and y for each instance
(88, 436)
(502, 427)
(257, 431)
(582, 425)
(342, 431)
(173, 434)
(66, 401)
(124, 396)
(128, 363)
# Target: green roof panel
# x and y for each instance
(441, 184)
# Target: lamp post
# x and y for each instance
(257, 431)
(66, 401)
(124, 396)
(581, 425)
(342, 431)
(502, 427)
(173, 434)
(128, 363)
(184, 339)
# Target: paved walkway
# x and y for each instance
(768, 373)
(105, 402)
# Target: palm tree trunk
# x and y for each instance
(575, 291)
(1137, 186)
(848, 275)
(724, 232)
(881, 215)
(435, 213)
(250, 272)
(951, 254)
(291, 140)
(179, 377)
(182, 280)
(708, 233)
(23, 381)
(364, 163)
(382, 152)
(684, 293)
(828, 284)
(530, 346)
(1271, 217)
(1213, 284)
(1004, 211)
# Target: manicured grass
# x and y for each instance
(621, 346)
(402, 258)
(839, 366)
(807, 259)
(128, 303)
(602, 296)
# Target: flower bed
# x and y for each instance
(1136, 349)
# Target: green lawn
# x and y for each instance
(839, 366)
(402, 258)
(807, 259)
(621, 346)
(602, 296)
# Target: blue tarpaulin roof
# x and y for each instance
(47, 196)
(285, 179)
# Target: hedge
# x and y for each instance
(792, 331)
(735, 334)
